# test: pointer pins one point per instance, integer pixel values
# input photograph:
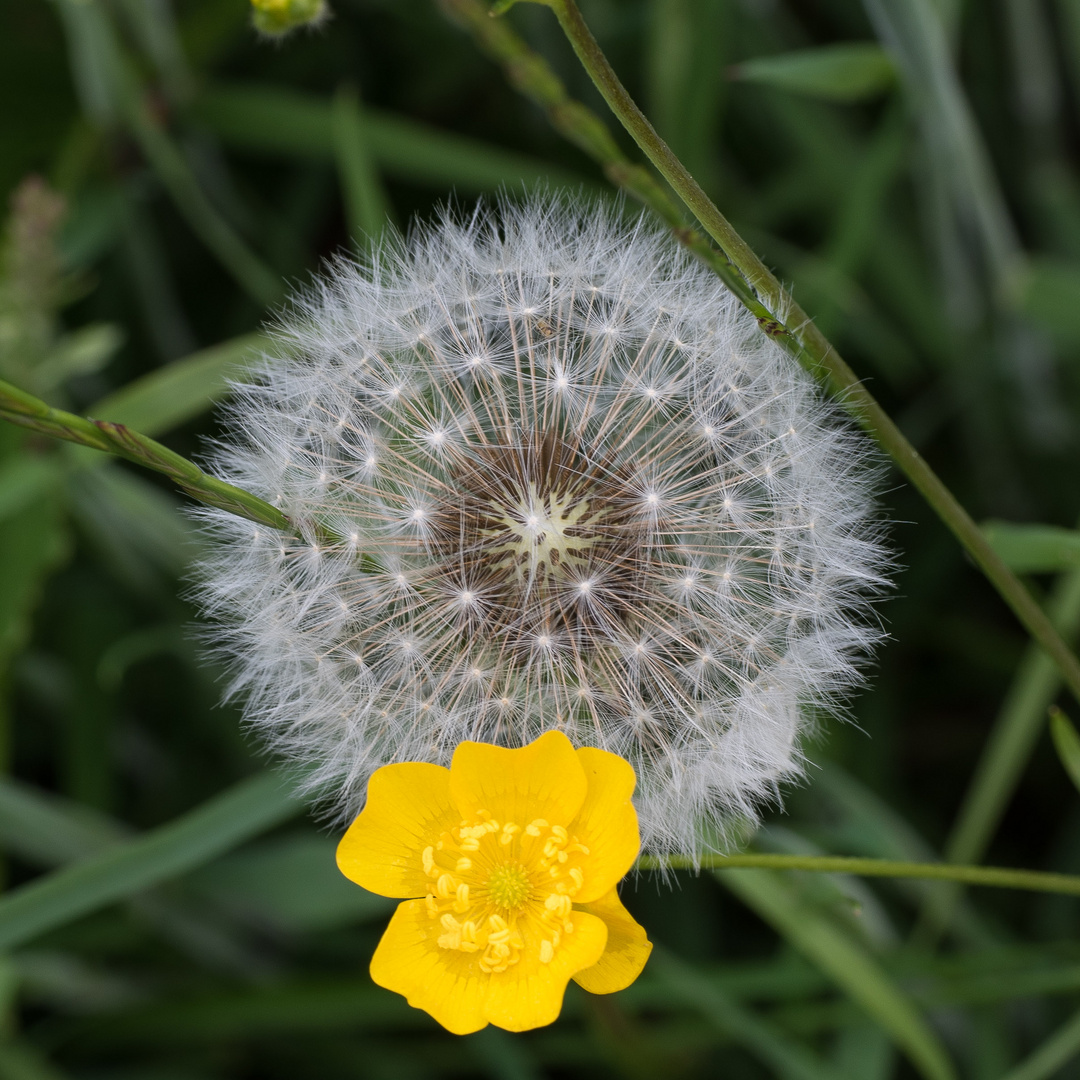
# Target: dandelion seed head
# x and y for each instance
(575, 487)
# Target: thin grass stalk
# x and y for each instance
(999, 877)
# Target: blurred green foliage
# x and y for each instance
(910, 166)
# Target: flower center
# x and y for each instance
(543, 534)
(508, 885)
(498, 889)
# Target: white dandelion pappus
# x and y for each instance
(572, 485)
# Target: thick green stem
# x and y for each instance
(19, 407)
(995, 876)
(756, 286)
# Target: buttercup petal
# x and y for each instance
(530, 994)
(446, 984)
(408, 808)
(541, 780)
(607, 822)
(627, 948)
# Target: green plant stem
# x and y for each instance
(19, 407)
(530, 74)
(771, 304)
(994, 876)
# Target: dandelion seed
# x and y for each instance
(563, 460)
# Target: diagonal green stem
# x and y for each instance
(756, 286)
(993, 876)
(19, 407)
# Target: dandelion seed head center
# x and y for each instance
(547, 534)
(535, 523)
(487, 879)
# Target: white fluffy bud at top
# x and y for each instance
(575, 487)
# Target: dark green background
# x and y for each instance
(925, 210)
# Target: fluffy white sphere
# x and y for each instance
(546, 473)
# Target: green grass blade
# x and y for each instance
(1061, 1048)
(94, 58)
(1067, 744)
(48, 830)
(268, 118)
(366, 205)
(1034, 549)
(916, 35)
(850, 966)
(293, 882)
(182, 390)
(844, 72)
(864, 1052)
(280, 121)
(765, 1041)
(862, 823)
(245, 810)
(1007, 751)
(166, 159)
(687, 47)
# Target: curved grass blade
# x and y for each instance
(1034, 549)
(1067, 744)
(245, 810)
(182, 390)
(914, 32)
(366, 204)
(48, 830)
(276, 120)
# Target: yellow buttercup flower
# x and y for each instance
(508, 863)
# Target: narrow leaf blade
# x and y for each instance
(845, 72)
(1067, 744)
(245, 810)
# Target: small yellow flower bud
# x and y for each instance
(277, 17)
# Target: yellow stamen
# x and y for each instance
(493, 887)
